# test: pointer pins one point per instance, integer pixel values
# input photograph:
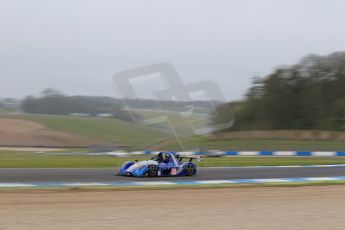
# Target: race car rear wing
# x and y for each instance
(191, 157)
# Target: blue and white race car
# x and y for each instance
(163, 164)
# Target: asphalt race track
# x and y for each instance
(107, 174)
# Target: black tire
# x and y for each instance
(152, 171)
(190, 169)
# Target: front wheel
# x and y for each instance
(152, 171)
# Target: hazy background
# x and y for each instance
(77, 45)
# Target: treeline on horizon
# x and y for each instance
(54, 102)
(309, 95)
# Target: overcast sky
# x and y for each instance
(77, 45)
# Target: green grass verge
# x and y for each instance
(258, 145)
(35, 160)
(269, 161)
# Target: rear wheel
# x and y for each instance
(190, 169)
(152, 171)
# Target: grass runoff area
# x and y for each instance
(140, 137)
(107, 129)
(13, 159)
